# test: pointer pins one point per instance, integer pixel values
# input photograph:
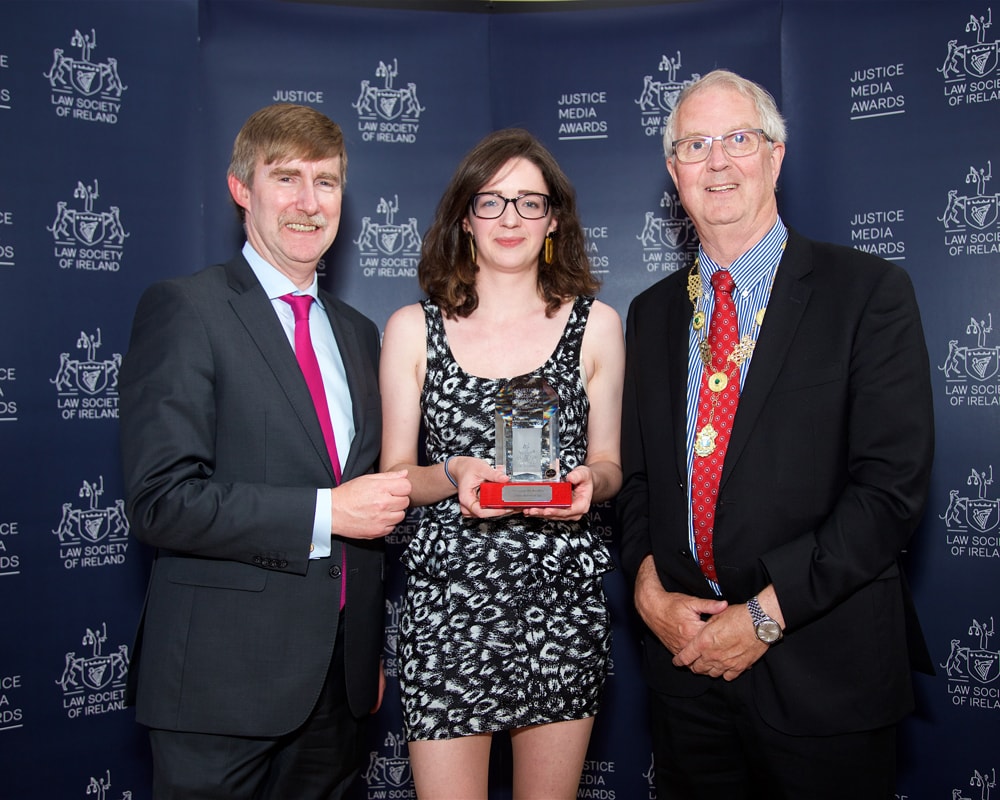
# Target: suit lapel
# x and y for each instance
(355, 370)
(676, 319)
(788, 302)
(255, 312)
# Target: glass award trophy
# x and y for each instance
(527, 420)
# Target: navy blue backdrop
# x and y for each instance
(116, 121)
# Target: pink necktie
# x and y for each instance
(720, 394)
(309, 365)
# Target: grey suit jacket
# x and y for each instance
(824, 482)
(222, 454)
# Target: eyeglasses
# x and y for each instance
(692, 149)
(490, 205)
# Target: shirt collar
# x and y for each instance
(275, 283)
(755, 264)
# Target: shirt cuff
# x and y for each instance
(322, 523)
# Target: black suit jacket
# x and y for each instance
(824, 481)
(223, 455)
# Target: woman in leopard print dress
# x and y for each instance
(504, 624)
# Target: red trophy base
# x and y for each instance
(523, 495)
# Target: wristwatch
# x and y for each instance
(768, 631)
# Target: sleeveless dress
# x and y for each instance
(504, 622)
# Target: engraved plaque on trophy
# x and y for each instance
(527, 447)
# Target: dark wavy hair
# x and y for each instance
(447, 272)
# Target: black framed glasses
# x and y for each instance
(744, 142)
(490, 205)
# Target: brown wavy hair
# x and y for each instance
(447, 272)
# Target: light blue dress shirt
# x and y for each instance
(331, 365)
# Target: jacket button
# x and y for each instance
(335, 571)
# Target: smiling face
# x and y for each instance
(292, 212)
(728, 199)
(510, 242)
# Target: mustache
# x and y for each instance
(318, 220)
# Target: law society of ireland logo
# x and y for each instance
(972, 367)
(100, 788)
(389, 249)
(388, 113)
(95, 683)
(659, 96)
(972, 517)
(972, 668)
(84, 89)
(388, 773)
(668, 239)
(403, 533)
(982, 782)
(93, 535)
(88, 387)
(972, 221)
(390, 657)
(86, 239)
(650, 776)
(971, 68)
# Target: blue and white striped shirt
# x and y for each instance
(753, 273)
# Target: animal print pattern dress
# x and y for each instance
(504, 622)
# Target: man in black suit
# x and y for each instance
(763, 526)
(258, 651)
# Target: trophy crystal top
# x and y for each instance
(527, 429)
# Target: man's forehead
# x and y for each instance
(296, 164)
(718, 104)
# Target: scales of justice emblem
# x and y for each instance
(978, 513)
(674, 230)
(388, 102)
(979, 211)
(661, 96)
(985, 781)
(393, 771)
(94, 523)
(101, 786)
(388, 237)
(88, 226)
(97, 670)
(90, 376)
(81, 74)
(980, 362)
(977, 60)
(978, 663)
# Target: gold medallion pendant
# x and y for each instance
(718, 381)
(704, 442)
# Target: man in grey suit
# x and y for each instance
(771, 482)
(257, 655)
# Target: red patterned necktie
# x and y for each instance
(719, 396)
(309, 364)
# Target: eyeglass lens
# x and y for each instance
(737, 144)
(488, 205)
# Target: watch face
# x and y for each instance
(769, 631)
